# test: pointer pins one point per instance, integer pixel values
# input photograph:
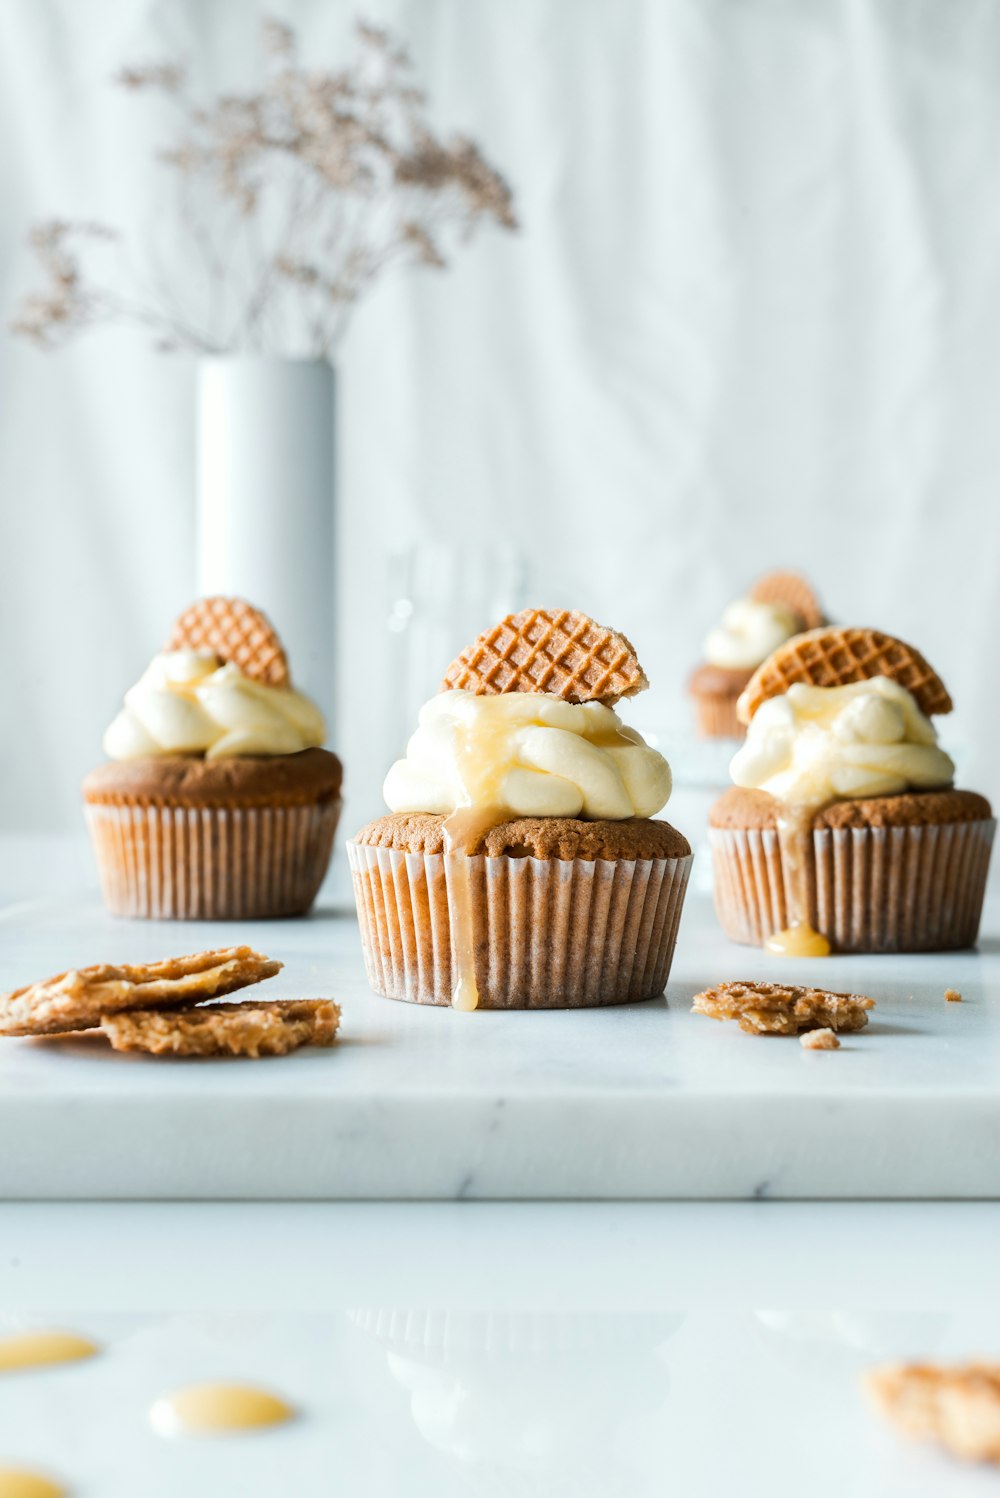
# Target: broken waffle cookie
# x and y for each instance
(791, 591)
(783, 1009)
(266, 1028)
(558, 651)
(959, 1407)
(236, 632)
(77, 1000)
(838, 655)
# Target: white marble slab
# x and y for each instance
(646, 1101)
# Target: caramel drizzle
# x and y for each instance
(461, 831)
(799, 938)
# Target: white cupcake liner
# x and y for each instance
(549, 933)
(869, 889)
(211, 863)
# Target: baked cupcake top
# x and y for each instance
(533, 837)
(525, 726)
(220, 689)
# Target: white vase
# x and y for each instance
(266, 501)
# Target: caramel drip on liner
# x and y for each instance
(799, 938)
(464, 826)
(461, 829)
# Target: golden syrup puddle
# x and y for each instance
(17, 1482)
(799, 938)
(38, 1349)
(217, 1408)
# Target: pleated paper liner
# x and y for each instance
(716, 717)
(549, 933)
(211, 863)
(871, 889)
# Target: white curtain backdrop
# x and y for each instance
(753, 319)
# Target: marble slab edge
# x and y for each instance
(465, 1146)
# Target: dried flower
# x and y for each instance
(295, 199)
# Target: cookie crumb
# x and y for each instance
(952, 996)
(958, 1407)
(819, 1040)
(783, 1009)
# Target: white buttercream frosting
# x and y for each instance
(529, 755)
(818, 744)
(748, 634)
(187, 702)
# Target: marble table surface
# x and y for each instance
(644, 1101)
(498, 1350)
(601, 1349)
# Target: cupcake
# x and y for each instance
(520, 866)
(781, 605)
(843, 829)
(218, 802)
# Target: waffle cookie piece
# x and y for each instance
(255, 1029)
(78, 999)
(557, 651)
(792, 592)
(838, 655)
(236, 632)
(783, 1009)
(957, 1407)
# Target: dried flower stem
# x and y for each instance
(293, 201)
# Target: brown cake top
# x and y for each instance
(838, 655)
(533, 837)
(558, 651)
(707, 680)
(186, 780)
(746, 810)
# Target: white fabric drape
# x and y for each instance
(753, 319)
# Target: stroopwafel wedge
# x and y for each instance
(76, 1000)
(840, 654)
(236, 632)
(558, 651)
(792, 592)
(254, 1028)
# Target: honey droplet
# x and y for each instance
(799, 940)
(37, 1349)
(15, 1482)
(217, 1408)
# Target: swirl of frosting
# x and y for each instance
(530, 755)
(818, 744)
(185, 702)
(749, 633)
